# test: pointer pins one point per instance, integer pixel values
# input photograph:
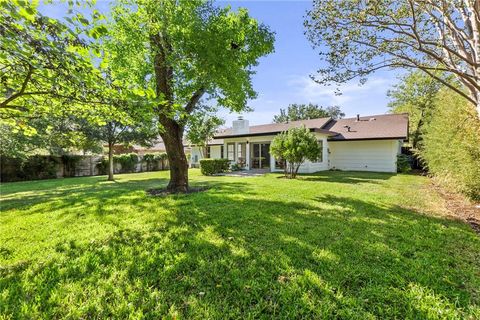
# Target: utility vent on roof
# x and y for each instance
(240, 126)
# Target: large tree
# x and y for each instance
(180, 51)
(358, 37)
(307, 111)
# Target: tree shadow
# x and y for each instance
(348, 177)
(225, 256)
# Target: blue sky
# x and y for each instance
(283, 77)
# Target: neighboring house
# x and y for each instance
(157, 147)
(369, 143)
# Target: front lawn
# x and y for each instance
(329, 245)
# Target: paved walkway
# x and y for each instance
(245, 173)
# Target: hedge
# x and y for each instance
(451, 144)
(213, 166)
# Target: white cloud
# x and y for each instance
(369, 98)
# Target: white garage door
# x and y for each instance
(366, 155)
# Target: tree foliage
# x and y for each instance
(307, 111)
(201, 128)
(445, 133)
(415, 94)
(451, 144)
(358, 37)
(295, 146)
(177, 52)
(45, 64)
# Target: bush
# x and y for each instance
(102, 166)
(70, 164)
(213, 166)
(126, 161)
(404, 163)
(451, 144)
(153, 160)
(295, 146)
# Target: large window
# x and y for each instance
(231, 151)
(320, 155)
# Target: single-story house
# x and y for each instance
(367, 143)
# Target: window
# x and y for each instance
(207, 153)
(222, 154)
(241, 154)
(231, 151)
(320, 155)
(279, 163)
(195, 158)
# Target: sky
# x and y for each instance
(283, 77)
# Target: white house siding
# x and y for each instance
(365, 155)
(307, 167)
(196, 154)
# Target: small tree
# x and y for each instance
(307, 111)
(201, 128)
(295, 146)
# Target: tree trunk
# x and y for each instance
(110, 162)
(173, 138)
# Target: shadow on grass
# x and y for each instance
(348, 177)
(221, 256)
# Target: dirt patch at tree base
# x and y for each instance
(460, 207)
(165, 192)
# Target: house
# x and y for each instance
(158, 146)
(369, 143)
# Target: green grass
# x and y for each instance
(330, 245)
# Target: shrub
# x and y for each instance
(236, 167)
(39, 167)
(404, 163)
(70, 164)
(213, 166)
(451, 144)
(126, 161)
(102, 166)
(153, 160)
(295, 146)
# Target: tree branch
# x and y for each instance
(194, 100)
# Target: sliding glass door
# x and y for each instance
(260, 155)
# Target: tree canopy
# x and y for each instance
(307, 111)
(358, 37)
(45, 64)
(202, 126)
(415, 94)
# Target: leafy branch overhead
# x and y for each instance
(359, 37)
(45, 64)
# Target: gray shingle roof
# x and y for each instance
(385, 126)
(274, 128)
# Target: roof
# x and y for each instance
(385, 126)
(274, 128)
